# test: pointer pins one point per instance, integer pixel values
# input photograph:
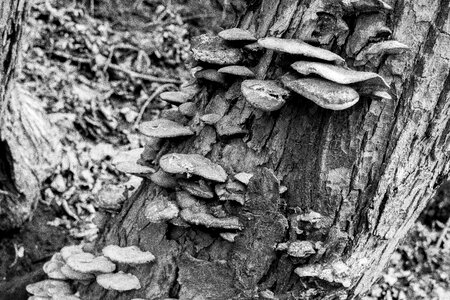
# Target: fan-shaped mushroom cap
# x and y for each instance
(175, 97)
(237, 70)
(134, 168)
(382, 94)
(266, 95)
(339, 74)
(210, 119)
(130, 155)
(119, 281)
(237, 34)
(177, 163)
(228, 236)
(163, 179)
(324, 93)
(298, 248)
(374, 52)
(188, 109)
(160, 210)
(163, 128)
(88, 263)
(199, 218)
(127, 255)
(243, 177)
(198, 189)
(298, 47)
(68, 251)
(48, 288)
(211, 75)
(364, 6)
(336, 272)
(231, 191)
(75, 275)
(213, 50)
(53, 269)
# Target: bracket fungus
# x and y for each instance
(237, 35)
(175, 97)
(210, 119)
(49, 288)
(362, 6)
(89, 263)
(237, 71)
(53, 269)
(197, 189)
(211, 75)
(70, 250)
(163, 179)
(160, 210)
(298, 249)
(266, 95)
(229, 236)
(231, 191)
(119, 281)
(192, 164)
(243, 177)
(70, 273)
(336, 272)
(134, 168)
(188, 109)
(127, 255)
(213, 50)
(163, 128)
(298, 47)
(326, 94)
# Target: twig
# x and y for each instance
(158, 91)
(443, 234)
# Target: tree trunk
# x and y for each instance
(368, 170)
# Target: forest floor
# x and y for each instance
(97, 77)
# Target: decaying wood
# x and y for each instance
(367, 171)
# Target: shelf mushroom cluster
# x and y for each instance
(72, 263)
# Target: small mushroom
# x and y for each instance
(188, 109)
(75, 275)
(160, 210)
(326, 94)
(172, 114)
(237, 71)
(48, 288)
(68, 251)
(228, 236)
(339, 74)
(127, 255)
(211, 75)
(336, 272)
(213, 50)
(53, 269)
(119, 281)
(197, 189)
(211, 119)
(364, 6)
(163, 179)
(373, 53)
(237, 34)
(177, 163)
(134, 168)
(231, 191)
(89, 263)
(243, 177)
(298, 249)
(298, 47)
(266, 95)
(175, 97)
(163, 128)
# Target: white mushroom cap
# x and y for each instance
(298, 249)
(229, 236)
(298, 47)
(177, 163)
(213, 50)
(210, 119)
(243, 177)
(201, 218)
(88, 263)
(175, 97)
(48, 288)
(118, 281)
(266, 95)
(68, 251)
(327, 94)
(237, 70)
(198, 189)
(127, 255)
(160, 210)
(211, 75)
(163, 128)
(163, 179)
(75, 275)
(65, 297)
(237, 34)
(53, 269)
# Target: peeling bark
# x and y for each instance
(366, 172)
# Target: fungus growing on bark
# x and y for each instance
(175, 97)
(298, 249)
(211, 75)
(53, 269)
(298, 47)
(237, 71)
(229, 236)
(361, 6)
(68, 251)
(70, 273)
(266, 95)
(127, 255)
(134, 168)
(231, 191)
(210, 119)
(197, 189)
(89, 263)
(213, 50)
(192, 164)
(373, 53)
(339, 74)
(243, 177)
(163, 179)
(49, 288)
(119, 281)
(161, 209)
(326, 94)
(188, 109)
(336, 272)
(163, 128)
(237, 34)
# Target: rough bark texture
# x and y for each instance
(368, 170)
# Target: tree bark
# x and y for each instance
(368, 170)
